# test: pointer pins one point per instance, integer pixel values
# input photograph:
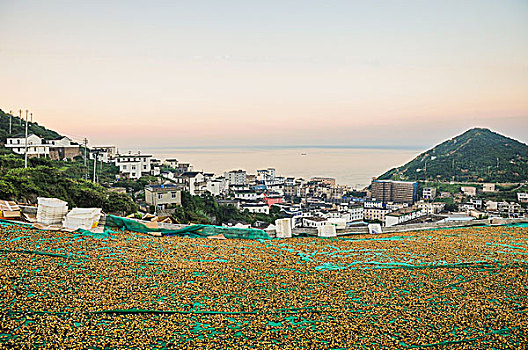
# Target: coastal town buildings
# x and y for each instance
(60, 149)
(133, 166)
(486, 188)
(312, 221)
(171, 163)
(401, 216)
(191, 181)
(236, 177)
(469, 190)
(104, 154)
(163, 196)
(429, 193)
(394, 191)
(256, 207)
(372, 214)
(309, 203)
(430, 208)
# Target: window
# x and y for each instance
(144, 167)
(173, 195)
(133, 167)
(124, 167)
(160, 196)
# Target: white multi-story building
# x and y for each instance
(248, 195)
(430, 208)
(373, 204)
(356, 212)
(215, 187)
(134, 166)
(469, 190)
(429, 193)
(401, 216)
(161, 196)
(171, 162)
(509, 208)
(268, 177)
(522, 197)
(375, 214)
(313, 221)
(488, 188)
(255, 207)
(59, 149)
(192, 181)
(36, 146)
(105, 154)
(236, 177)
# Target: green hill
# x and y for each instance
(479, 155)
(52, 178)
(18, 127)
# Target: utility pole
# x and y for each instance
(10, 117)
(95, 166)
(85, 142)
(31, 114)
(25, 144)
(20, 116)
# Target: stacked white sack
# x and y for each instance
(51, 211)
(84, 218)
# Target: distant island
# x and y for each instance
(477, 155)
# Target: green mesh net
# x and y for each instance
(189, 231)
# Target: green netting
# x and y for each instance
(189, 231)
(503, 331)
(24, 251)
(80, 233)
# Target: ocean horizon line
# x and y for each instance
(250, 147)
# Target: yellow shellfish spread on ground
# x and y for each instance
(454, 288)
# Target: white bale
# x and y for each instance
(51, 211)
(327, 230)
(283, 228)
(374, 228)
(84, 218)
(339, 223)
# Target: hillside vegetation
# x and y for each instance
(50, 178)
(18, 127)
(479, 155)
(25, 185)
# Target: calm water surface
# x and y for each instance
(349, 165)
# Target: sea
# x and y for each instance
(349, 165)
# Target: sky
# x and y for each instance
(276, 72)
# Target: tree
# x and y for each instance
(119, 202)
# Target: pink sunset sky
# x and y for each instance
(191, 73)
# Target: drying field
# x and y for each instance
(448, 289)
